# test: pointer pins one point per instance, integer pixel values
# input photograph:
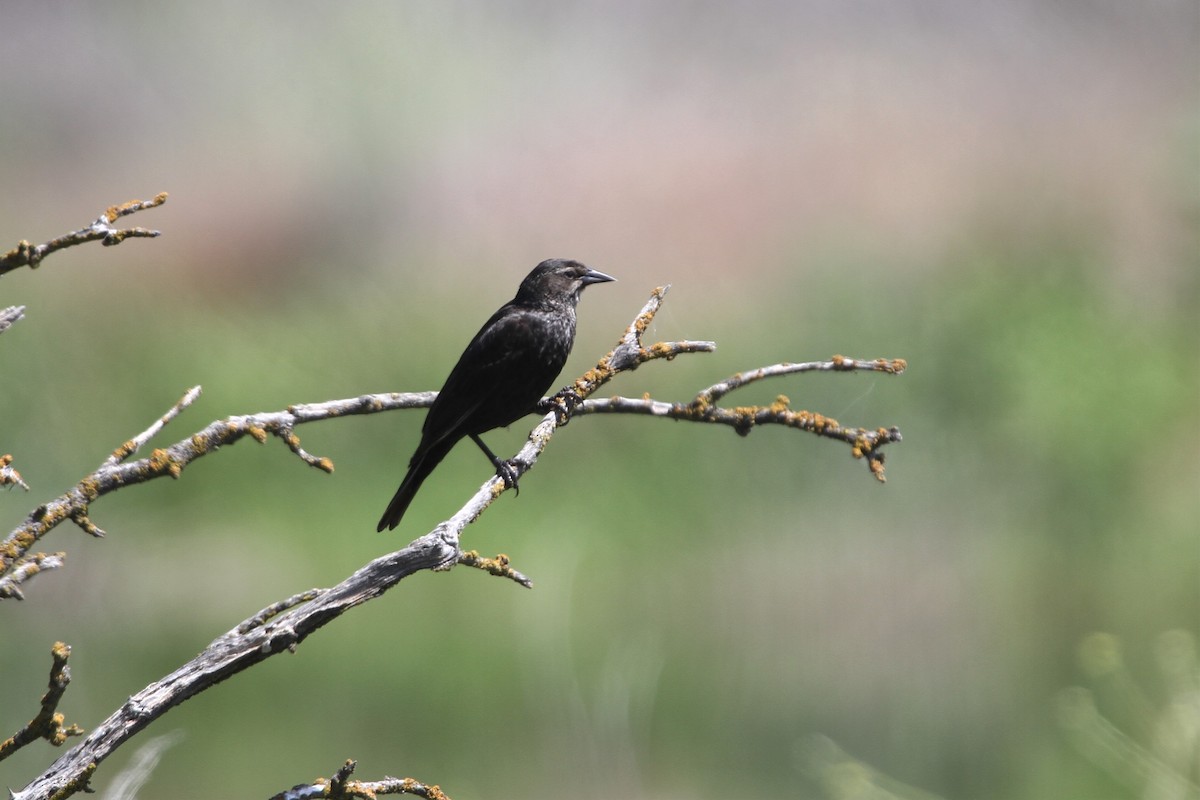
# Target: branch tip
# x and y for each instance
(498, 566)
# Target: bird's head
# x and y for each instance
(558, 280)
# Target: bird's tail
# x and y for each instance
(419, 469)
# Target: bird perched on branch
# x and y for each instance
(502, 374)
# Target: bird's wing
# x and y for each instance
(483, 375)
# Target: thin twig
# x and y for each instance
(48, 724)
(836, 364)
(31, 255)
(133, 445)
(864, 443)
(498, 566)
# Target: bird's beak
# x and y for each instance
(595, 276)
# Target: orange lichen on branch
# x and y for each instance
(127, 448)
(162, 462)
(86, 524)
(663, 350)
(113, 213)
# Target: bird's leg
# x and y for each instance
(504, 470)
(562, 404)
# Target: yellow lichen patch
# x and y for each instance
(126, 448)
(89, 527)
(89, 488)
(839, 361)
(76, 785)
(159, 459)
(53, 516)
(876, 465)
(588, 382)
(434, 792)
(780, 405)
(662, 350)
(257, 432)
(19, 544)
(325, 463)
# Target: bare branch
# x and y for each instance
(25, 568)
(117, 471)
(836, 364)
(30, 255)
(133, 445)
(864, 443)
(48, 724)
(340, 787)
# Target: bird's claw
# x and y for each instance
(507, 472)
(563, 404)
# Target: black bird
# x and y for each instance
(502, 374)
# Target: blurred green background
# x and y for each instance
(1005, 194)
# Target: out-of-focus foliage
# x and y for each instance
(1004, 194)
